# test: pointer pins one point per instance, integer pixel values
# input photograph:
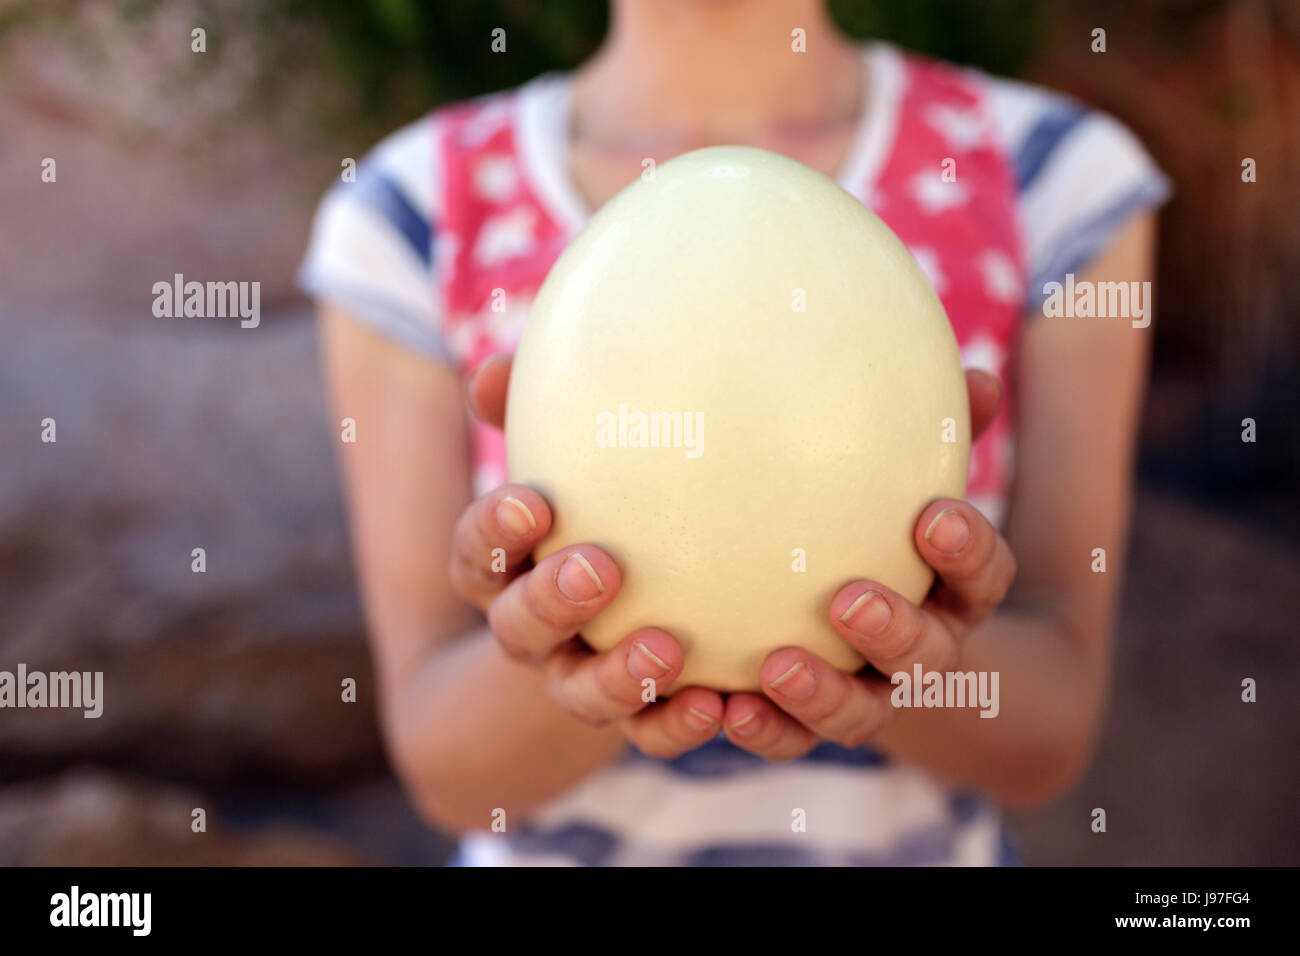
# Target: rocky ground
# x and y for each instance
(223, 688)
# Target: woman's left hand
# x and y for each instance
(805, 700)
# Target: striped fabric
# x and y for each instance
(719, 805)
(475, 200)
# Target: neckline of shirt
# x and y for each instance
(542, 122)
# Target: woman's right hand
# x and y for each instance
(536, 612)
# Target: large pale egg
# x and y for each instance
(739, 383)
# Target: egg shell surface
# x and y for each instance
(738, 382)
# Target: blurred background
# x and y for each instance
(224, 687)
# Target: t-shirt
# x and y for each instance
(472, 204)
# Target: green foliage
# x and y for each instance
(997, 35)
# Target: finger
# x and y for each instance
(486, 387)
(985, 399)
(601, 688)
(833, 705)
(669, 728)
(543, 608)
(891, 632)
(754, 723)
(974, 563)
(493, 539)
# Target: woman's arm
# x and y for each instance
(1081, 385)
(467, 728)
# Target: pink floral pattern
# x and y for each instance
(496, 240)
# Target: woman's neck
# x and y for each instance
(674, 75)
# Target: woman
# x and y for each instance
(540, 751)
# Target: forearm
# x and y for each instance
(1050, 698)
(473, 731)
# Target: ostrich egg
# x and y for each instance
(737, 381)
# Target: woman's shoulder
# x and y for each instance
(1079, 174)
(1030, 122)
(382, 228)
(414, 158)
(370, 250)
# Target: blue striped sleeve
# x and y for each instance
(372, 245)
(1081, 177)
(1044, 137)
(376, 189)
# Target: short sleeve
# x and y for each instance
(1081, 177)
(372, 243)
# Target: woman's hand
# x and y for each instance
(805, 700)
(536, 612)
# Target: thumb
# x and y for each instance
(985, 399)
(486, 387)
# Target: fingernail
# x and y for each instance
(948, 532)
(745, 726)
(642, 662)
(514, 517)
(798, 683)
(697, 719)
(577, 580)
(868, 615)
